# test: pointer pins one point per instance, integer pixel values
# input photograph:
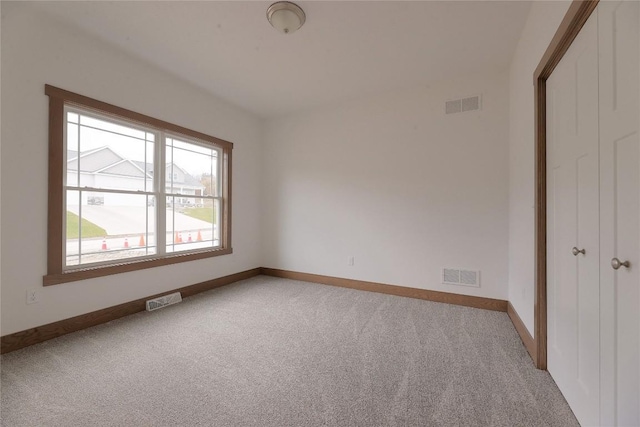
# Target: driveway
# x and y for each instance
(120, 220)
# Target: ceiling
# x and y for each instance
(345, 50)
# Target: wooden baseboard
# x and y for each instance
(445, 297)
(39, 334)
(522, 330)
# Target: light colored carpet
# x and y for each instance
(273, 352)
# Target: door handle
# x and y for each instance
(616, 263)
(575, 251)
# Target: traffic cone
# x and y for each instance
(189, 239)
(126, 242)
(104, 244)
(199, 238)
(176, 239)
(141, 243)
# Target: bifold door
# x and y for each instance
(572, 230)
(619, 83)
(593, 217)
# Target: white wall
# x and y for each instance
(541, 25)
(396, 183)
(36, 51)
(389, 179)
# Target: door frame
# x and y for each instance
(577, 15)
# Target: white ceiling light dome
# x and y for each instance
(285, 16)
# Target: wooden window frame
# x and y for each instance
(56, 274)
(577, 15)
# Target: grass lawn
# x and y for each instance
(204, 214)
(89, 229)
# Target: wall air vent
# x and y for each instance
(452, 276)
(463, 105)
(453, 107)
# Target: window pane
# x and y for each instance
(148, 166)
(192, 223)
(168, 177)
(191, 169)
(216, 187)
(113, 226)
(109, 126)
(192, 146)
(72, 154)
(111, 156)
(72, 227)
(217, 222)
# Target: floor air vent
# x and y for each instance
(156, 303)
(451, 276)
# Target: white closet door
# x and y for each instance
(620, 215)
(573, 221)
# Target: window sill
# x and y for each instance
(124, 267)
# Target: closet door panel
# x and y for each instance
(620, 211)
(573, 220)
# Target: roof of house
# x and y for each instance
(105, 160)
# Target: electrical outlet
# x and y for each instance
(351, 261)
(33, 296)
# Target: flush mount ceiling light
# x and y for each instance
(285, 16)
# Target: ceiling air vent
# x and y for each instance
(452, 276)
(463, 105)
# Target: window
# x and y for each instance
(128, 192)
